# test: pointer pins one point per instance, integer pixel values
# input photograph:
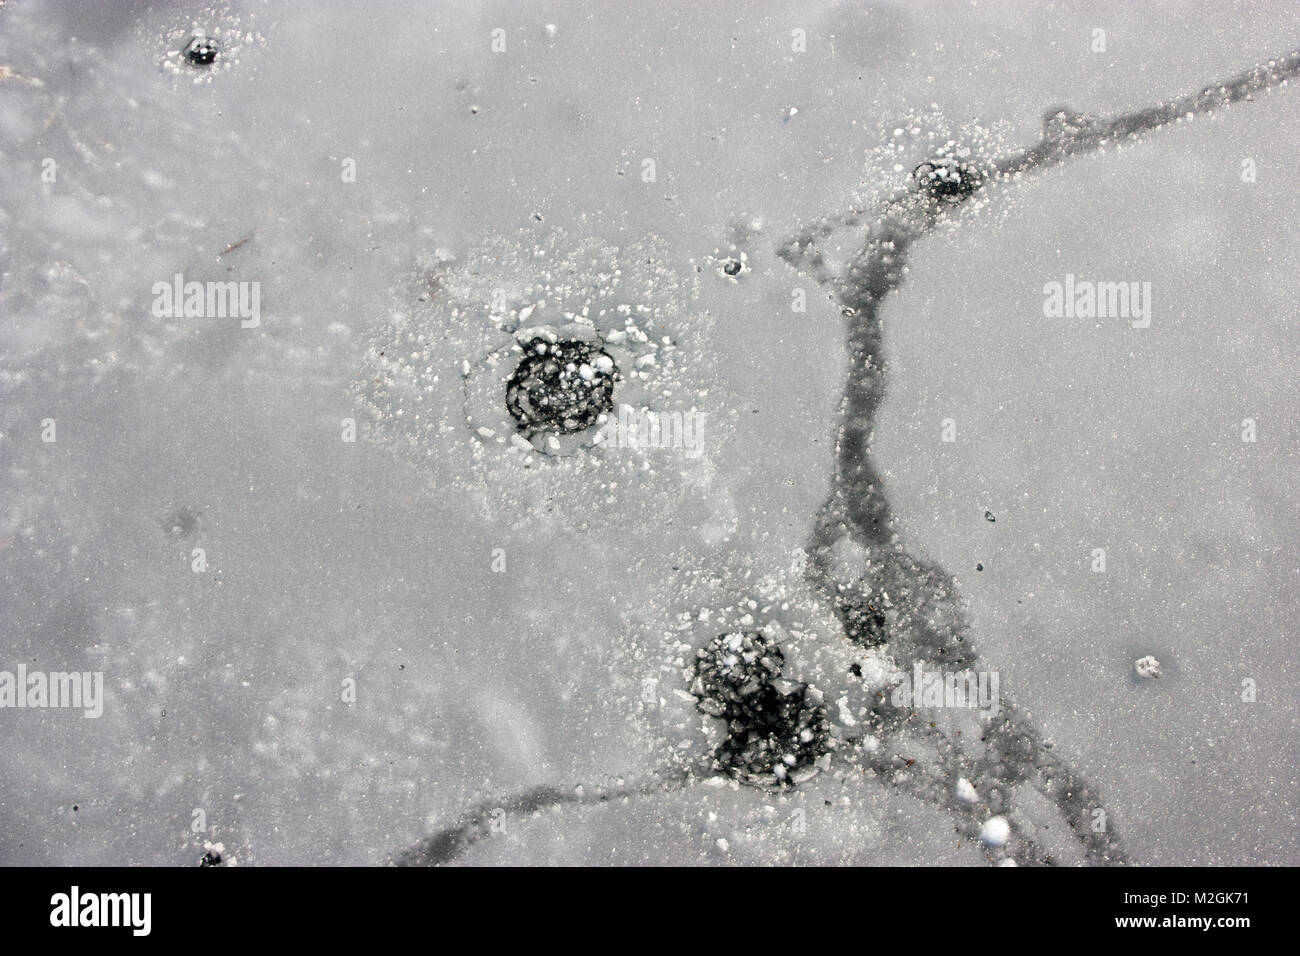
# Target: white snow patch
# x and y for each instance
(995, 832)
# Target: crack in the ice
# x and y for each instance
(487, 818)
(1014, 751)
(857, 509)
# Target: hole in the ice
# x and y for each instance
(732, 667)
(947, 178)
(734, 265)
(561, 387)
(777, 730)
(201, 51)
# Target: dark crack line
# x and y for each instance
(858, 510)
(485, 819)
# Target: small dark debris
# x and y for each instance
(732, 267)
(211, 858)
(988, 516)
(979, 567)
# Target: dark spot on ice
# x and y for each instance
(864, 623)
(979, 567)
(732, 267)
(211, 858)
(948, 179)
(988, 516)
(181, 523)
(562, 387)
(201, 51)
(775, 727)
(733, 666)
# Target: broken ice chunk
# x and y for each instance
(1147, 668)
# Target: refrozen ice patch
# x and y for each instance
(777, 732)
(560, 386)
(510, 372)
(754, 686)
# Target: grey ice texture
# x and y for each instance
(330, 560)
